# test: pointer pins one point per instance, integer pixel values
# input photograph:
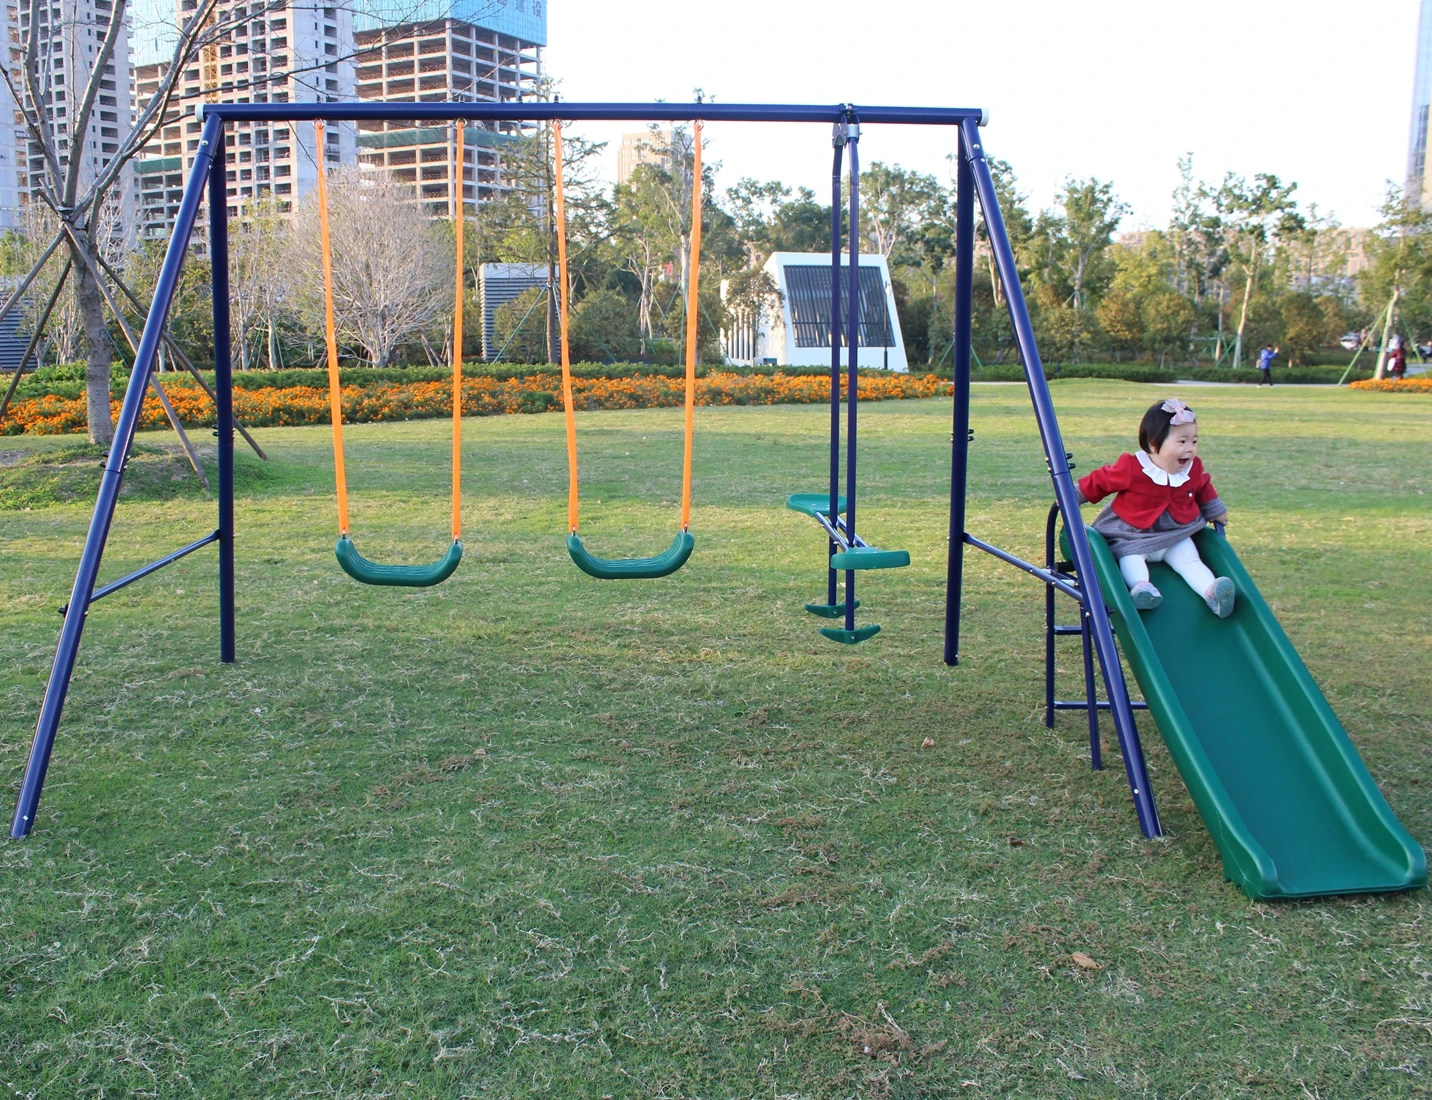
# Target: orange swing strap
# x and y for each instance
(692, 316)
(459, 296)
(353, 563)
(330, 333)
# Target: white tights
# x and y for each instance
(1182, 557)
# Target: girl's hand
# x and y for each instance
(1223, 519)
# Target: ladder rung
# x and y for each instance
(1079, 704)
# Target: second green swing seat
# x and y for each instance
(399, 576)
(632, 569)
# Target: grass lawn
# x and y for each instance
(528, 833)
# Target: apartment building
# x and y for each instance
(469, 51)
(280, 51)
(14, 141)
(269, 51)
(648, 147)
(70, 34)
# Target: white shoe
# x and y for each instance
(1220, 597)
(1146, 596)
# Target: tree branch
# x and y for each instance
(79, 129)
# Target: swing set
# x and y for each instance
(1288, 801)
(833, 510)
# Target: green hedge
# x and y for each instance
(1133, 372)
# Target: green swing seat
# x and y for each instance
(632, 569)
(400, 576)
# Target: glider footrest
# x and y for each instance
(869, 557)
(828, 610)
(850, 637)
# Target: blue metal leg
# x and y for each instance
(852, 356)
(838, 141)
(68, 649)
(1091, 694)
(1103, 633)
(223, 397)
(959, 441)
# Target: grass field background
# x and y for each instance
(528, 833)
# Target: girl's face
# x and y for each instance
(1180, 447)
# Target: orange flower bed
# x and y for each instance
(298, 405)
(1421, 383)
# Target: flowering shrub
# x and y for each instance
(1421, 383)
(297, 405)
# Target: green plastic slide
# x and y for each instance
(1289, 802)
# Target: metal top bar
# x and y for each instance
(627, 112)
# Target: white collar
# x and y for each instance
(1159, 476)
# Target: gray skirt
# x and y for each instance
(1125, 539)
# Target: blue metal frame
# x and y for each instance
(973, 181)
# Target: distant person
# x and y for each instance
(1265, 364)
(1162, 497)
(1397, 359)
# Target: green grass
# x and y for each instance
(528, 833)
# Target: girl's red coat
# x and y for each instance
(1139, 500)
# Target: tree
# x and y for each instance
(260, 281)
(77, 194)
(751, 297)
(1074, 238)
(519, 330)
(895, 204)
(1119, 316)
(1091, 213)
(392, 275)
(1253, 215)
(604, 328)
(1401, 271)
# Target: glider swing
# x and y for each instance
(675, 555)
(834, 511)
(355, 564)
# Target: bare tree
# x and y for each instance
(392, 269)
(76, 191)
(261, 281)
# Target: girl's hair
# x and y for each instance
(1153, 428)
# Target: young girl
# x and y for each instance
(1162, 496)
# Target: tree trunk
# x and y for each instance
(1386, 332)
(98, 351)
(1242, 321)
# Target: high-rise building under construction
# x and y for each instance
(1417, 182)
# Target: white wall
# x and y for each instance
(779, 339)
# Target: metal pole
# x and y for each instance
(223, 395)
(960, 437)
(1049, 564)
(1063, 486)
(1091, 695)
(852, 356)
(68, 649)
(838, 141)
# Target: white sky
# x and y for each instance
(1315, 92)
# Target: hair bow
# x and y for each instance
(1182, 414)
